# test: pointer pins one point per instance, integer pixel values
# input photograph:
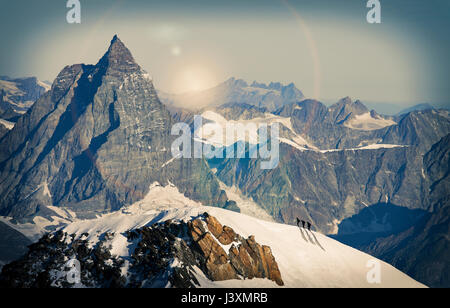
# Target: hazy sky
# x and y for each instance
(325, 47)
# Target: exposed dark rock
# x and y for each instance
(423, 250)
(246, 258)
(3, 130)
(46, 264)
(168, 254)
(324, 187)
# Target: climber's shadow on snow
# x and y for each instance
(303, 234)
(317, 241)
(307, 234)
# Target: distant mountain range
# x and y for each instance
(236, 91)
(16, 97)
(18, 94)
(272, 97)
(392, 109)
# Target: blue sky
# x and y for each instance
(325, 47)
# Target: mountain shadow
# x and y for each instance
(378, 220)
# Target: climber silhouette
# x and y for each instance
(303, 223)
(309, 226)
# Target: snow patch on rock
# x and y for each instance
(367, 122)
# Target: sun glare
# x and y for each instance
(194, 78)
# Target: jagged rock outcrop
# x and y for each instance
(252, 260)
(246, 258)
(216, 259)
(98, 139)
(169, 254)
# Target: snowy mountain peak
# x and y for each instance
(345, 108)
(350, 105)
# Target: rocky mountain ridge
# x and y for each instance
(170, 254)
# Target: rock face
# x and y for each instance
(217, 262)
(97, 140)
(331, 185)
(3, 130)
(352, 176)
(246, 258)
(170, 254)
(423, 249)
(331, 127)
(324, 187)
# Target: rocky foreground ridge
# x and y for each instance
(169, 254)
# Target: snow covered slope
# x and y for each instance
(217, 123)
(305, 258)
(368, 122)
